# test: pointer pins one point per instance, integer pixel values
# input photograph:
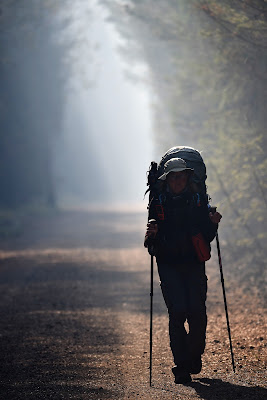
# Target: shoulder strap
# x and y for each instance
(159, 206)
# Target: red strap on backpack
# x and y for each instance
(160, 212)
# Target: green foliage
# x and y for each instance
(233, 132)
(212, 85)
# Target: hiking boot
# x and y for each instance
(181, 375)
(196, 365)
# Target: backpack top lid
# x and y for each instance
(193, 159)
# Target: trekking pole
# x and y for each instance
(224, 298)
(151, 320)
(151, 252)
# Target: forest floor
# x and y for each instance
(74, 318)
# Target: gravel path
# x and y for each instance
(74, 307)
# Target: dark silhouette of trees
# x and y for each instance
(30, 102)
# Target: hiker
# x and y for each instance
(179, 233)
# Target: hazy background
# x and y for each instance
(80, 126)
(92, 91)
(106, 144)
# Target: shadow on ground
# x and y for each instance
(56, 330)
(216, 389)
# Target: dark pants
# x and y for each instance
(184, 288)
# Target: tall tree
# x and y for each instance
(30, 101)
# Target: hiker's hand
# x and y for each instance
(152, 229)
(215, 217)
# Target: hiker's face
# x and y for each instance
(177, 181)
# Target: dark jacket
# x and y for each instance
(179, 218)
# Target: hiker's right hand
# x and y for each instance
(215, 217)
(152, 229)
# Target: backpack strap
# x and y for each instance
(159, 206)
(195, 200)
(198, 200)
(160, 212)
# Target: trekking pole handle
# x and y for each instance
(152, 222)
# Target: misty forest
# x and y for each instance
(210, 84)
(93, 91)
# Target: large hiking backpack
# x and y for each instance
(193, 159)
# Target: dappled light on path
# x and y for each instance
(75, 319)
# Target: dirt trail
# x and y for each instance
(74, 307)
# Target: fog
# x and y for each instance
(75, 112)
(93, 91)
(106, 145)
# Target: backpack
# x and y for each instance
(193, 159)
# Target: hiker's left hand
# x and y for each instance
(216, 217)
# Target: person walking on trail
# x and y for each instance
(179, 232)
